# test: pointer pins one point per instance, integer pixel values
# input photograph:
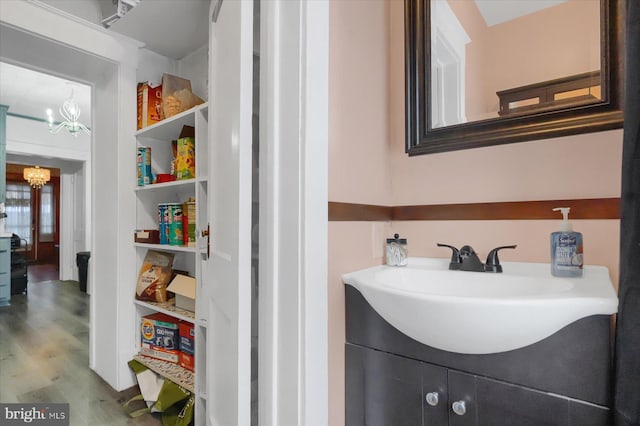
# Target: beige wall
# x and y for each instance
(565, 35)
(367, 164)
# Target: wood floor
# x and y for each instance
(44, 356)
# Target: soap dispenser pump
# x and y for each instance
(566, 248)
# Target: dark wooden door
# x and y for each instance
(46, 217)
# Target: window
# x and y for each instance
(18, 209)
(47, 214)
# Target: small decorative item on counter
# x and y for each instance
(149, 104)
(177, 95)
(397, 251)
(154, 276)
(143, 162)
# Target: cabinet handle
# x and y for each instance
(459, 408)
(432, 398)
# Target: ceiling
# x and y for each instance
(498, 11)
(29, 93)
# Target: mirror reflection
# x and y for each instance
(496, 58)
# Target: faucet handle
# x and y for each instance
(493, 263)
(456, 261)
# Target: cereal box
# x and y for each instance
(149, 104)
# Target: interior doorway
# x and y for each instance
(34, 215)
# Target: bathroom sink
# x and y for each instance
(482, 313)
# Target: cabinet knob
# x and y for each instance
(432, 398)
(459, 408)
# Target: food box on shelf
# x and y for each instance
(149, 236)
(149, 104)
(189, 223)
(187, 361)
(160, 337)
(185, 289)
(187, 345)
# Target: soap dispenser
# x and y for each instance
(566, 248)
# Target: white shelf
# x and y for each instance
(169, 308)
(187, 258)
(170, 128)
(173, 372)
(164, 185)
(166, 247)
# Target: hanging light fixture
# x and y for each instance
(36, 176)
(70, 111)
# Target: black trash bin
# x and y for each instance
(82, 260)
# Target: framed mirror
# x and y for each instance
(490, 72)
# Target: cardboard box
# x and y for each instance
(187, 337)
(149, 104)
(149, 236)
(187, 361)
(160, 337)
(185, 289)
(187, 345)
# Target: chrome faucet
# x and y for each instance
(466, 259)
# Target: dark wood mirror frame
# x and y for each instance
(421, 138)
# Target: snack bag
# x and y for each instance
(177, 95)
(155, 274)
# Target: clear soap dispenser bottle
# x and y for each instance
(566, 248)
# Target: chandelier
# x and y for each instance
(36, 176)
(70, 111)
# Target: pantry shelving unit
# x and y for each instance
(189, 259)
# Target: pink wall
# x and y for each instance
(367, 164)
(360, 171)
(359, 111)
(565, 35)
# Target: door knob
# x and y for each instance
(459, 408)
(432, 398)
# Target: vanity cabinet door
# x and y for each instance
(493, 403)
(383, 389)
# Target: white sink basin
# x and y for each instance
(482, 313)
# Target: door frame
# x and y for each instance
(293, 327)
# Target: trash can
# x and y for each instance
(82, 260)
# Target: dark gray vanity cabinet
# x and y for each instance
(393, 380)
(384, 389)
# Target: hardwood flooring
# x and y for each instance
(44, 356)
(37, 273)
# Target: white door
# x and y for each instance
(229, 268)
